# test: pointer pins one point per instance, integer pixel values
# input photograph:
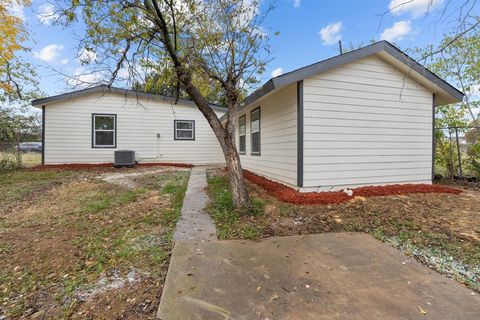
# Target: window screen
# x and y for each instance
(184, 129)
(255, 131)
(242, 134)
(104, 131)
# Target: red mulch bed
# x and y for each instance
(290, 195)
(82, 166)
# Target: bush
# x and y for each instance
(8, 162)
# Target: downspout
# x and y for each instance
(43, 135)
(433, 136)
(300, 134)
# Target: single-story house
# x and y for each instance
(364, 117)
(86, 126)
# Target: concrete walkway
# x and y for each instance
(194, 223)
(325, 276)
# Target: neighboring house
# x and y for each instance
(86, 126)
(361, 118)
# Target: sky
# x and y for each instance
(309, 31)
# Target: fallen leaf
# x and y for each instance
(274, 297)
(422, 311)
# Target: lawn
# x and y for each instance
(440, 230)
(75, 246)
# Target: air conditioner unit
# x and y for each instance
(124, 158)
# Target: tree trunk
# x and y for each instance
(240, 195)
(225, 134)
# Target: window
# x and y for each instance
(242, 134)
(104, 131)
(184, 129)
(255, 131)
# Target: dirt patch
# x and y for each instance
(291, 195)
(84, 248)
(137, 300)
(130, 179)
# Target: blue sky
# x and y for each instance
(309, 32)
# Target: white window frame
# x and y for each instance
(95, 130)
(259, 152)
(175, 130)
(244, 118)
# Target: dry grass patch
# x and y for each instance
(79, 247)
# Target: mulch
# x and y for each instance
(290, 195)
(83, 166)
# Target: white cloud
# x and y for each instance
(47, 14)
(64, 61)
(86, 56)
(16, 9)
(84, 78)
(277, 72)
(296, 3)
(475, 90)
(123, 73)
(416, 8)
(396, 32)
(331, 33)
(49, 53)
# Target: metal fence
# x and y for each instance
(457, 153)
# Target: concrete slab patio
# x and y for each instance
(326, 276)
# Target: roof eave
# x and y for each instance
(325, 65)
(105, 90)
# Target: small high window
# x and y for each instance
(255, 131)
(104, 131)
(184, 129)
(242, 134)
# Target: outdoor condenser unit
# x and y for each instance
(124, 158)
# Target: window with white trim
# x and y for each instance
(104, 131)
(255, 131)
(184, 129)
(242, 134)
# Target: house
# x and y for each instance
(365, 117)
(86, 126)
(360, 118)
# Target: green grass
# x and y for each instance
(230, 223)
(116, 244)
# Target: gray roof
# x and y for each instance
(324, 65)
(283, 80)
(105, 90)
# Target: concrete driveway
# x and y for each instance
(326, 276)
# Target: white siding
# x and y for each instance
(278, 136)
(68, 131)
(366, 124)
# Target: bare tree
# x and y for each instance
(215, 42)
(459, 18)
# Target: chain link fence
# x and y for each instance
(457, 153)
